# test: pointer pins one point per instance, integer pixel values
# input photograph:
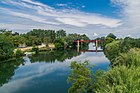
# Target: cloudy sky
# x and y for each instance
(92, 17)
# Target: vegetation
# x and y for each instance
(35, 49)
(81, 77)
(8, 70)
(118, 80)
(18, 53)
(122, 77)
(124, 55)
(6, 48)
(131, 58)
(10, 41)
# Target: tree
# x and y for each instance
(6, 48)
(112, 50)
(33, 40)
(60, 34)
(111, 35)
(15, 33)
(18, 53)
(59, 43)
(82, 78)
(131, 58)
(119, 80)
(70, 38)
(17, 40)
(46, 40)
(35, 49)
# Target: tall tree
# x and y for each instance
(111, 35)
(60, 33)
(6, 48)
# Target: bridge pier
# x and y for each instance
(95, 41)
(78, 46)
(96, 45)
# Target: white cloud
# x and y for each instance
(84, 20)
(95, 34)
(71, 21)
(33, 2)
(61, 5)
(83, 6)
(44, 14)
(38, 15)
(131, 17)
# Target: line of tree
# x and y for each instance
(10, 40)
(123, 75)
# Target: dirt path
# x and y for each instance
(29, 48)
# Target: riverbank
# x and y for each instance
(26, 49)
(22, 51)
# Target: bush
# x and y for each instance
(112, 50)
(131, 58)
(35, 49)
(119, 80)
(18, 53)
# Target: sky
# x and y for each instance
(92, 17)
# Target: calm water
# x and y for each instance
(46, 72)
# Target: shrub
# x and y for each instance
(35, 49)
(18, 53)
(119, 80)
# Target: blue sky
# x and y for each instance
(103, 7)
(91, 17)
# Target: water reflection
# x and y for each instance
(52, 56)
(7, 70)
(46, 72)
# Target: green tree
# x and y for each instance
(119, 80)
(131, 58)
(17, 40)
(46, 40)
(59, 43)
(6, 48)
(35, 49)
(33, 40)
(81, 78)
(60, 34)
(111, 35)
(18, 53)
(112, 50)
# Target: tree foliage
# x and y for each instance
(6, 48)
(112, 50)
(131, 58)
(122, 77)
(81, 77)
(119, 80)
(111, 35)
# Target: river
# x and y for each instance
(46, 72)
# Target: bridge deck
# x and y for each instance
(91, 50)
(87, 41)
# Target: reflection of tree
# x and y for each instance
(7, 70)
(55, 55)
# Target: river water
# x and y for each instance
(46, 72)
